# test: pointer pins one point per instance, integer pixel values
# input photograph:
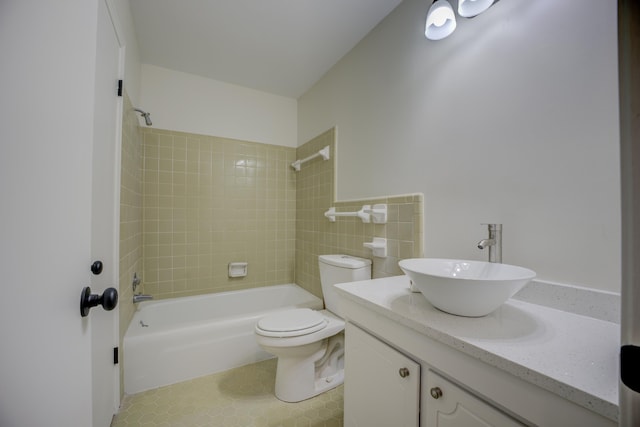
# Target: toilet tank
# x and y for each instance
(340, 269)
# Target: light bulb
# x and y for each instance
(440, 18)
(441, 21)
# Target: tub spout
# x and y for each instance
(140, 297)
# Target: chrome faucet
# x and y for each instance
(138, 297)
(141, 297)
(135, 282)
(494, 243)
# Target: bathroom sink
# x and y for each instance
(465, 288)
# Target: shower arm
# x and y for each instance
(147, 118)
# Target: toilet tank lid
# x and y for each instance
(344, 261)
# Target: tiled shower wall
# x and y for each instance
(316, 235)
(196, 203)
(209, 201)
(130, 215)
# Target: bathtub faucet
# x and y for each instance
(140, 297)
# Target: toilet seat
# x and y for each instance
(291, 323)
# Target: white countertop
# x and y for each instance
(572, 355)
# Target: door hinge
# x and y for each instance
(115, 355)
(119, 87)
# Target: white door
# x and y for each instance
(381, 385)
(47, 83)
(105, 217)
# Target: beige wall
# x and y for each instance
(130, 216)
(209, 201)
(316, 235)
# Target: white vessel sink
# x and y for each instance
(465, 288)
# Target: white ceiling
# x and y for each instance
(277, 46)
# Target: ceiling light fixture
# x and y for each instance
(441, 21)
(471, 8)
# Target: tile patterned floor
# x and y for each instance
(240, 397)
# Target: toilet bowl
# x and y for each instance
(309, 344)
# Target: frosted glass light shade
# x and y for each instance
(441, 21)
(471, 8)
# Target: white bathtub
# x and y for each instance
(173, 340)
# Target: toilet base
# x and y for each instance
(298, 379)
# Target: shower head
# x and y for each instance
(146, 115)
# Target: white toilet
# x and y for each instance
(310, 344)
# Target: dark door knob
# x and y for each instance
(108, 300)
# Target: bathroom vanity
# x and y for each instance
(409, 364)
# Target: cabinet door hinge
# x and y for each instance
(115, 355)
(119, 87)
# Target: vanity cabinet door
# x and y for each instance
(448, 405)
(381, 385)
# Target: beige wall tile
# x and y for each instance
(207, 203)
